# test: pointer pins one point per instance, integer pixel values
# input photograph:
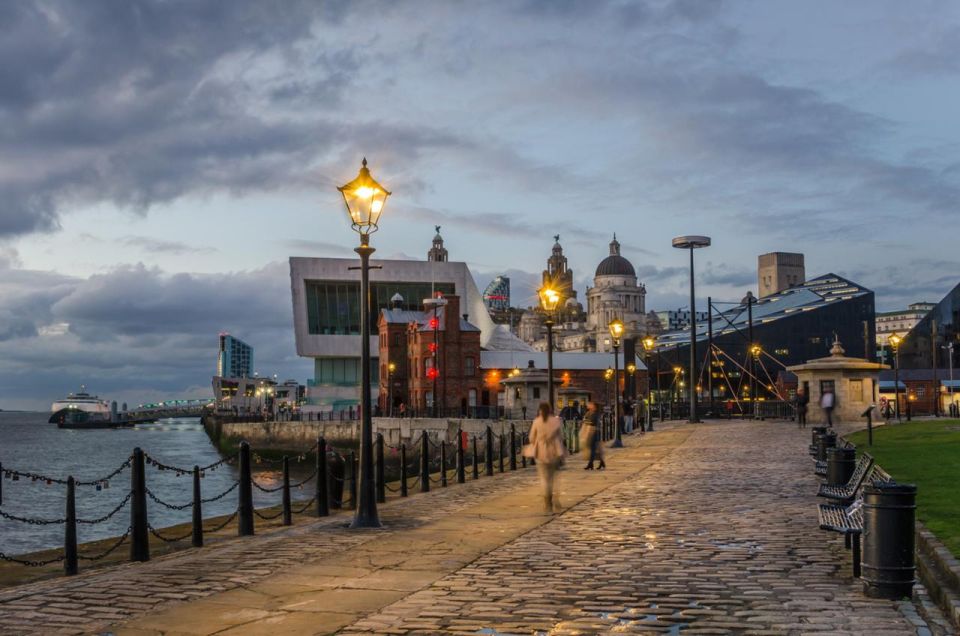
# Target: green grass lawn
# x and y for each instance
(926, 454)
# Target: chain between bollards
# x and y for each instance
(139, 534)
(323, 485)
(381, 471)
(70, 531)
(245, 502)
(287, 515)
(403, 470)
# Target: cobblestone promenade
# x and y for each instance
(707, 529)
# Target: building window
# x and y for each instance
(469, 366)
(396, 339)
(536, 393)
(472, 397)
(921, 390)
(856, 390)
(333, 307)
(427, 365)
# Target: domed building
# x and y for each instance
(615, 294)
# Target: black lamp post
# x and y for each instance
(648, 344)
(549, 299)
(895, 341)
(616, 332)
(691, 243)
(365, 198)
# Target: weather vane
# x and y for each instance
(438, 228)
(556, 238)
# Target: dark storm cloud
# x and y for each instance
(140, 102)
(149, 244)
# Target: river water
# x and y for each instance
(29, 444)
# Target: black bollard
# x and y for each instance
(403, 470)
(424, 463)
(323, 492)
(197, 509)
(825, 441)
(443, 464)
(287, 515)
(1, 483)
(841, 462)
(245, 504)
(501, 451)
(139, 537)
(381, 472)
(353, 480)
(909, 410)
(70, 531)
(476, 460)
(523, 458)
(513, 446)
(889, 512)
(461, 469)
(489, 457)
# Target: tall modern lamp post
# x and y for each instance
(616, 332)
(691, 243)
(365, 198)
(549, 299)
(895, 341)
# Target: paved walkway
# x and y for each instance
(678, 536)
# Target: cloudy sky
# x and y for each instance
(160, 161)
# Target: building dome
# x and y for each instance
(615, 265)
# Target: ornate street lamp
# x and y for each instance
(616, 333)
(549, 299)
(391, 368)
(648, 345)
(895, 341)
(365, 198)
(691, 243)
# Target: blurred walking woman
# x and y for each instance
(546, 446)
(590, 436)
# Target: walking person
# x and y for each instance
(627, 416)
(546, 447)
(827, 402)
(802, 400)
(590, 436)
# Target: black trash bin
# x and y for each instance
(825, 441)
(889, 515)
(841, 462)
(335, 478)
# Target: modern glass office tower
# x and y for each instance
(938, 329)
(235, 358)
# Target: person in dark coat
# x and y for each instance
(801, 401)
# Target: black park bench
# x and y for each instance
(844, 494)
(848, 520)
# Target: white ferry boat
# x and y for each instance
(80, 407)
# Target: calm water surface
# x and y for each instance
(29, 444)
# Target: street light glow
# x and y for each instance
(365, 199)
(549, 298)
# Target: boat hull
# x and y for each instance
(74, 418)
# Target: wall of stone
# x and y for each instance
(296, 436)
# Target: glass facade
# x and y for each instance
(235, 358)
(333, 307)
(916, 350)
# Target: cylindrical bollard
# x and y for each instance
(889, 515)
(323, 487)
(489, 457)
(381, 472)
(513, 446)
(476, 459)
(825, 441)
(337, 480)
(139, 537)
(501, 442)
(245, 505)
(70, 531)
(424, 463)
(197, 539)
(287, 515)
(461, 469)
(353, 480)
(403, 470)
(443, 464)
(841, 462)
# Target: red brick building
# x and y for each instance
(432, 352)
